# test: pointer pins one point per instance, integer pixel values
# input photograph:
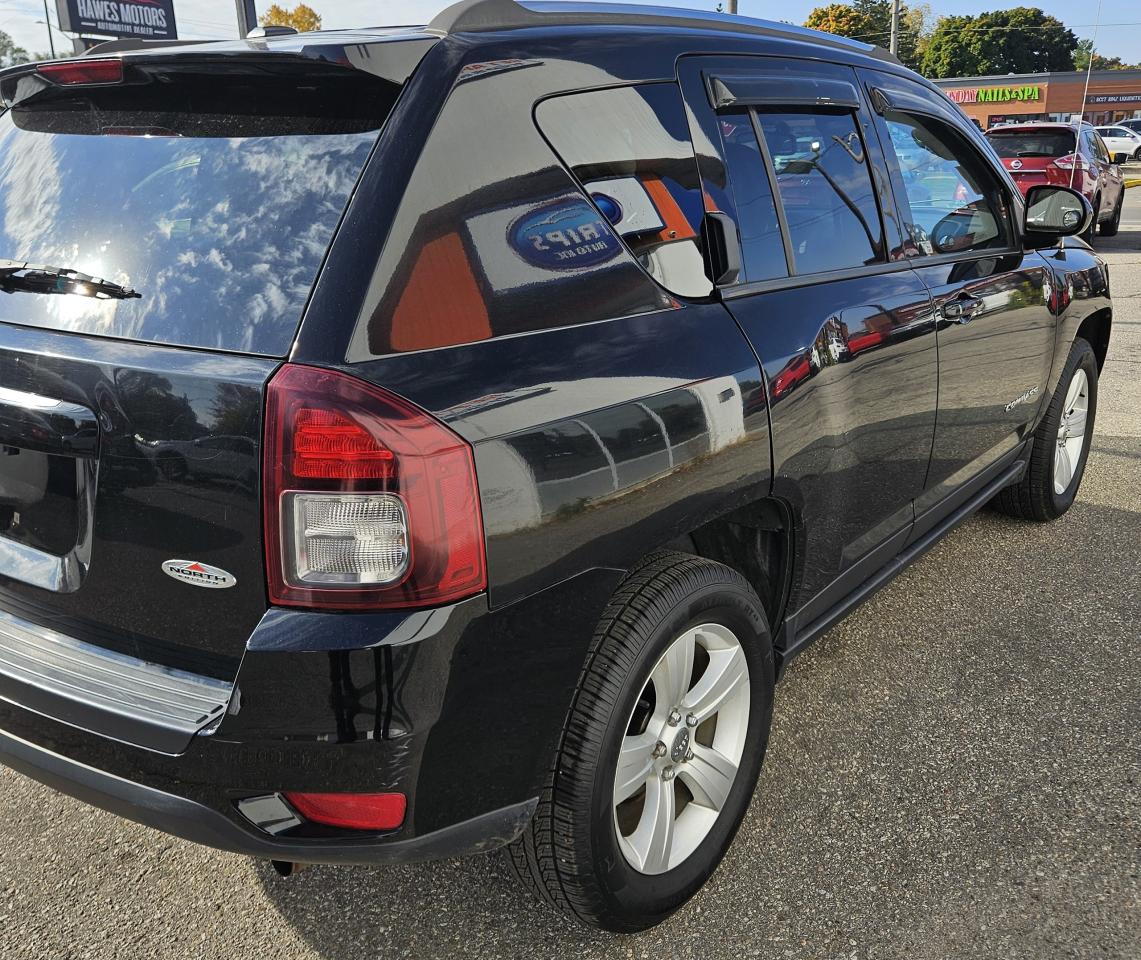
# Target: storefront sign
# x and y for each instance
(145, 19)
(1115, 98)
(995, 94)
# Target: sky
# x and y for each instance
(1119, 35)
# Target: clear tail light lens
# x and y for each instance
(1070, 161)
(369, 502)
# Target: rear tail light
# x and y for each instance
(83, 72)
(369, 502)
(355, 811)
(1071, 161)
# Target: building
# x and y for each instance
(1113, 95)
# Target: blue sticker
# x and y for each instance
(568, 235)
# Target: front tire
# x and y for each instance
(1110, 227)
(1061, 444)
(661, 750)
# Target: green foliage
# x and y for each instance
(1019, 40)
(870, 21)
(10, 54)
(1082, 57)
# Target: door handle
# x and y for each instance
(963, 310)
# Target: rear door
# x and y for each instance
(130, 426)
(841, 324)
(996, 333)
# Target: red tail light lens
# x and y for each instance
(355, 811)
(369, 502)
(78, 72)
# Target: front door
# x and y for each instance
(996, 332)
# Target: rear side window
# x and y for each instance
(955, 203)
(214, 196)
(630, 149)
(825, 189)
(1031, 143)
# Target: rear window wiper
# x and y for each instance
(35, 278)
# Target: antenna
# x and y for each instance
(1085, 95)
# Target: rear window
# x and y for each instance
(1031, 143)
(212, 191)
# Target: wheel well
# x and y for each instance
(755, 541)
(1095, 330)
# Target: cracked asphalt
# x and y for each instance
(953, 773)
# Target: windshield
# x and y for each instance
(1032, 143)
(214, 198)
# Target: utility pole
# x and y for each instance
(894, 28)
(48, 24)
(247, 16)
(732, 7)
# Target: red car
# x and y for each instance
(1065, 154)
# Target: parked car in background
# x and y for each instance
(1133, 124)
(1069, 155)
(1122, 143)
(456, 430)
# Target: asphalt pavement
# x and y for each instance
(954, 772)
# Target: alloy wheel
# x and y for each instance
(1071, 432)
(682, 749)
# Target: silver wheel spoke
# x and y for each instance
(1074, 391)
(653, 841)
(709, 776)
(635, 766)
(1063, 469)
(726, 674)
(1076, 422)
(672, 674)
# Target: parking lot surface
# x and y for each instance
(954, 772)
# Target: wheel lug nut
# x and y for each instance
(688, 755)
(675, 717)
(659, 749)
(690, 720)
(668, 773)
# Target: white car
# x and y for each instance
(1121, 142)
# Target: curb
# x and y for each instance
(1134, 182)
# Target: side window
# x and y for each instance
(955, 202)
(1102, 149)
(825, 189)
(762, 250)
(630, 148)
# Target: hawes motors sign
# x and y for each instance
(144, 19)
(994, 94)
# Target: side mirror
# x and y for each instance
(1054, 212)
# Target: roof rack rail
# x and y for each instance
(483, 16)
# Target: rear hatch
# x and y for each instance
(1031, 154)
(195, 194)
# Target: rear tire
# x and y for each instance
(1110, 227)
(1037, 495)
(580, 851)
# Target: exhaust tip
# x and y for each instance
(286, 868)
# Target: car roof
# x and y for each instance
(1019, 127)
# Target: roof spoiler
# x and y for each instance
(134, 43)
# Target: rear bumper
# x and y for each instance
(196, 822)
(460, 709)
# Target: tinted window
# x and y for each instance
(762, 249)
(955, 202)
(1032, 143)
(214, 197)
(630, 149)
(825, 188)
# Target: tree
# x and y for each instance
(870, 21)
(10, 54)
(1019, 40)
(301, 18)
(1082, 59)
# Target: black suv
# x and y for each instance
(421, 441)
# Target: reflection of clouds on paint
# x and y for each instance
(222, 237)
